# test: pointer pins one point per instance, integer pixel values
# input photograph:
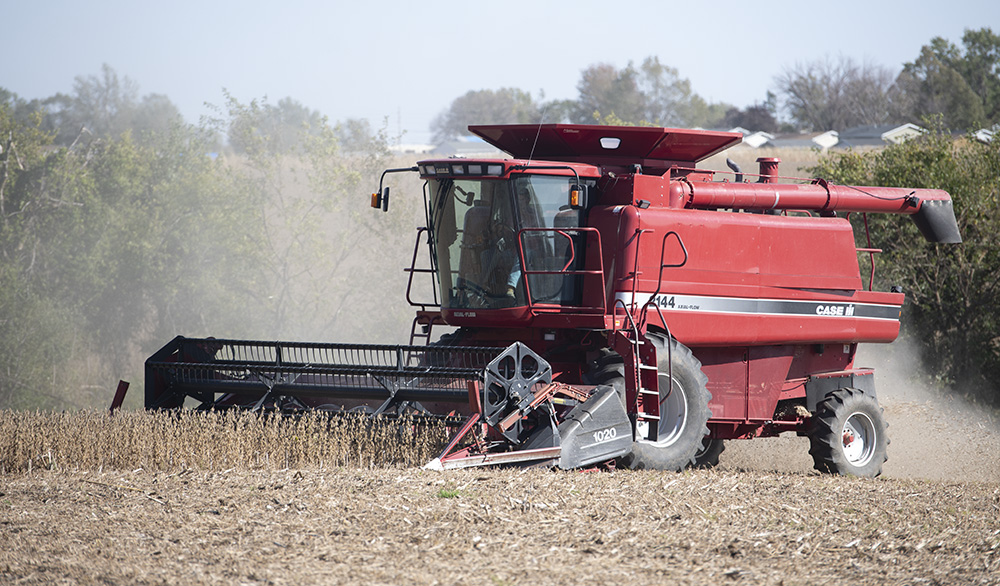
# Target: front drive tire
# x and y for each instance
(709, 452)
(684, 411)
(847, 434)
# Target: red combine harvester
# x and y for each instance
(613, 303)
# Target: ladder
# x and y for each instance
(421, 330)
(640, 355)
(647, 414)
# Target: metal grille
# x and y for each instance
(203, 367)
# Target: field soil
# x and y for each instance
(409, 526)
(762, 517)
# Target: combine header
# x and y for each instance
(611, 302)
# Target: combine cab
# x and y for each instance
(613, 302)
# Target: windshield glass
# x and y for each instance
(484, 227)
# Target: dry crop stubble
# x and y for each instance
(160, 441)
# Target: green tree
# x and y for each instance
(355, 135)
(653, 94)
(322, 246)
(755, 117)
(980, 67)
(606, 90)
(502, 106)
(670, 101)
(931, 86)
(557, 111)
(34, 332)
(960, 84)
(103, 106)
(280, 128)
(107, 249)
(953, 291)
(112, 244)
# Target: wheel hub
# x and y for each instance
(859, 439)
(673, 413)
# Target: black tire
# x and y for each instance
(609, 369)
(708, 455)
(847, 434)
(684, 411)
(451, 338)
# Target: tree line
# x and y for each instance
(122, 226)
(961, 83)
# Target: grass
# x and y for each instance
(157, 441)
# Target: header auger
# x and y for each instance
(610, 302)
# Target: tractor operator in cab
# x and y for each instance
(526, 213)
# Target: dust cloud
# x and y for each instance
(933, 433)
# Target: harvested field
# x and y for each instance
(409, 526)
(207, 499)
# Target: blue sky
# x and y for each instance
(405, 62)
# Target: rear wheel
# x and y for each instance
(684, 411)
(847, 434)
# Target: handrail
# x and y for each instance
(871, 253)
(588, 231)
(436, 303)
(636, 359)
(628, 314)
(663, 265)
(871, 259)
(645, 308)
(635, 265)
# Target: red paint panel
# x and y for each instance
(808, 253)
(746, 383)
(730, 248)
(769, 368)
(737, 259)
(726, 370)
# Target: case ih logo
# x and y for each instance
(837, 310)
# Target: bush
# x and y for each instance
(952, 309)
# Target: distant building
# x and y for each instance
(882, 135)
(858, 136)
(757, 139)
(985, 135)
(753, 139)
(414, 148)
(813, 140)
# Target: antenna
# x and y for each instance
(537, 133)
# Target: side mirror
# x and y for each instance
(578, 195)
(381, 200)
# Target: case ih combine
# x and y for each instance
(613, 303)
